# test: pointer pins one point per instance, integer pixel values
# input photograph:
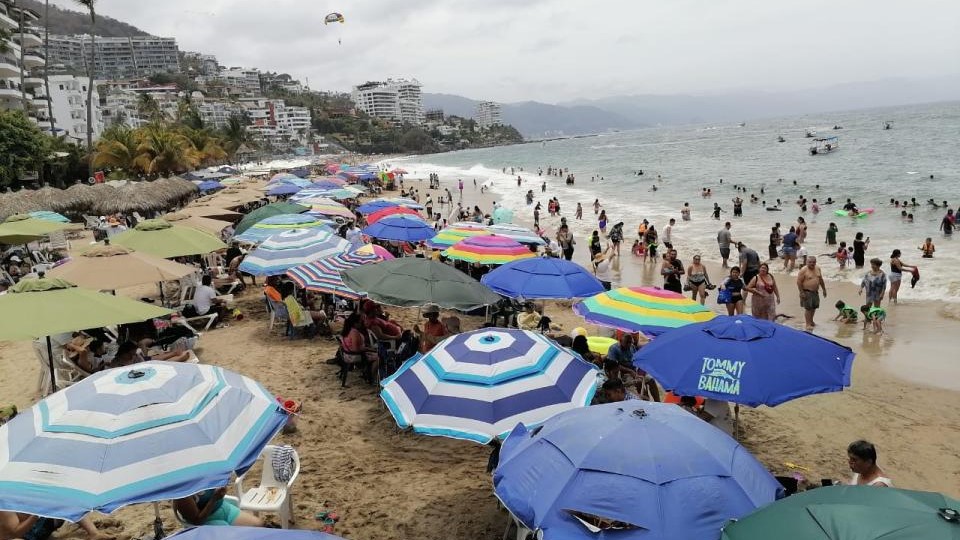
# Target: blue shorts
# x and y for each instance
(225, 515)
(789, 251)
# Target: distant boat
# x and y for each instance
(824, 145)
(811, 133)
(888, 125)
(742, 124)
(837, 127)
(780, 138)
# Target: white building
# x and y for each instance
(396, 100)
(245, 81)
(23, 58)
(117, 57)
(216, 114)
(488, 114)
(207, 62)
(276, 122)
(69, 96)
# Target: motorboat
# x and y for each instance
(811, 133)
(780, 138)
(824, 145)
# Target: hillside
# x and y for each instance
(64, 21)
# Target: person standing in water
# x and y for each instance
(579, 214)
(596, 206)
(859, 249)
(685, 212)
(896, 274)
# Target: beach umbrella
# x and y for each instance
(209, 185)
(375, 206)
(502, 215)
(160, 238)
(478, 385)
(79, 197)
(398, 170)
(22, 229)
(518, 233)
(331, 168)
(151, 432)
(48, 306)
(389, 211)
(279, 223)
(374, 249)
(231, 181)
(207, 225)
(409, 203)
(283, 177)
(323, 276)
(328, 183)
(209, 532)
(326, 207)
(629, 470)
(49, 216)
(340, 193)
(852, 513)
(746, 360)
(108, 268)
(488, 249)
(412, 282)
(455, 233)
(400, 228)
(287, 249)
(283, 189)
(267, 211)
(642, 309)
(542, 278)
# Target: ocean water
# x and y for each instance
(872, 166)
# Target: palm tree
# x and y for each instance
(235, 135)
(164, 151)
(209, 149)
(117, 148)
(148, 108)
(91, 71)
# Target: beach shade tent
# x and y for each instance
(852, 513)
(287, 249)
(108, 268)
(150, 432)
(746, 360)
(207, 225)
(389, 211)
(279, 223)
(455, 233)
(478, 385)
(375, 206)
(642, 309)
(629, 470)
(283, 189)
(323, 276)
(210, 185)
(269, 210)
(518, 233)
(400, 228)
(502, 215)
(46, 215)
(23, 229)
(281, 177)
(324, 206)
(542, 278)
(331, 168)
(209, 532)
(232, 181)
(413, 282)
(488, 249)
(159, 238)
(37, 308)
(398, 170)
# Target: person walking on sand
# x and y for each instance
(766, 295)
(809, 280)
(579, 214)
(723, 241)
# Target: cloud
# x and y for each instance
(554, 50)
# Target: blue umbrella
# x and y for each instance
(401, 228)
(375, 206)
(209, 185)
(327, 184)
(150, 432)
(250, 533)
(746, 360)
(283, 188)
(479, 385)
(659, 471)
(341, 192)
(542, 277)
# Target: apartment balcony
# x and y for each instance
(9, 67)
(31, 37)
(33, 59)
(33, 82)
(6, 21)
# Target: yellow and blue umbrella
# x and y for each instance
(642, 309)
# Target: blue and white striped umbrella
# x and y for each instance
(285, 250)
(479, 385)
(265, 228)
(345, 192)
(144, 433)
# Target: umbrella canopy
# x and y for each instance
(389, 211)
(488, 249)
(398, 170)
(375, 205)
(232, 181)
(160, 238)
(455, 233)
(287, 249)
(543, 277)
(108, 268)
(409, 203)
(852, 513)
(144, 433)
(502, 215)
(279, 177)
(289, 180)
(660, 471)
(22, 228)
(279, 223)
(209, 185)
(412, 282)
(401, 228)
(642, 309)
(267, 211)
(518, 233)
(325, 206)
(47, 306)
(329, 183)
(746, 360)
(209, 532)
(323, 276)
(373, 249)
(212, 212)
(479, 385)
(49, 216)
(283, 189)
(207, 225)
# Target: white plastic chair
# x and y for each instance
(271, 495)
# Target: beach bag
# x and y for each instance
(725, 296)
(282, 462)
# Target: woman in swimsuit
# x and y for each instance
(766, 295)
(697, 280)
(734, 283)
(862, 456)
(896, 274)
(874, 282)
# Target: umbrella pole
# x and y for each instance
(157, 523)
(53, 373)
(736, 422)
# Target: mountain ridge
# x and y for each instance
(69, 22)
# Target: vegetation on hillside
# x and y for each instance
(69, 22)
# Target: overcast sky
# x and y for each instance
(556, 50)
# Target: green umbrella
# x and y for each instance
(161, 239)
(411, 282)
(46, 306)
(852, 513)
(22, 229)
(269, 210)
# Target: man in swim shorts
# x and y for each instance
(723, 241)
(809, 280)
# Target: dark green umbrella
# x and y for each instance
(853, 513)
(269, 210)
(412, 282)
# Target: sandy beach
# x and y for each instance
(391, 485)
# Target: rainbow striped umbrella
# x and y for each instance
(642, 309)
(516, 232)
(326, 207)
(323, 276)
(488, 249)
(454, 233)
(265, 228)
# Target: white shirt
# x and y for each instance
(603, 271)
(203, 299)
(667, 231)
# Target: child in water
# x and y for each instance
(928, 248)
(639, 249)
(845, 313)
(874, 315)
(842, 255)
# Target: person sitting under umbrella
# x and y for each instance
(299, 316)
(17, 525)
(210, 508)
(354, 341)
(88, 353)
(433, 330)
(204, 300)
(131, 353)
(622, 352)
(615, 390)
(375, 320)
(529, 319)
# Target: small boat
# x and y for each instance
(780, 138)
(888, 125)
(742, 124)
(837, 127)
(811, 133)
(824, 145)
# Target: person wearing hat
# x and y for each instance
(433, 330)
(601, 268)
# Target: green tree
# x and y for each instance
(148, 108)
(91, 72)
(235, 135)
(117, 148)
(23, 146)
(164, 151)
(208, 148)
(417, 140)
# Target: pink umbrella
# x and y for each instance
(373, 249)
(399, 171)
(389, 211)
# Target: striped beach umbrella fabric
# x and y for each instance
(326, 206)
(642, 309)
(150, 432)
(323, 276)
(516, 232)
(455, 233)
(479, 385)
(389, 211)
(285, 250)
(488, 249)
(339, 193)
(270, 226)
(375, 206)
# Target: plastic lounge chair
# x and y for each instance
(271, 495)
